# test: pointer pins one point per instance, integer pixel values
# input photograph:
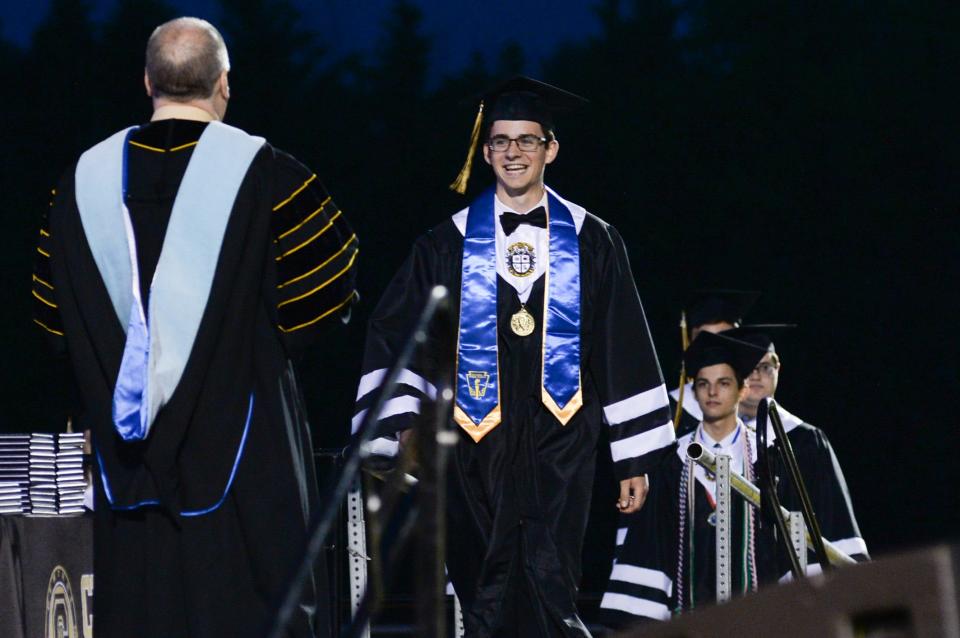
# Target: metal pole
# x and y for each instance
(791, 460)
(357, 552)
(798, 537)
(723, 528)
(459, 630)
(433, 445)
(435, 440)
(351, 467)
(751, 494)
(770, 506)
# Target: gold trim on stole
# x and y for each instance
(477, 430)
(565, 413)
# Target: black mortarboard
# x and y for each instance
(519, 98)
(760, 334)
(523, 98)
(712, 306)
(711, 349)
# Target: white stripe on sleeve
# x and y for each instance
(639, 444)
(636, 406)
(812, 570)
(393, 407)
(382, 446)
(635, 606)
(643, 576)
(373, 380)
(851, 546)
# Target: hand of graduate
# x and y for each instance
(633, 492)
(405, 437)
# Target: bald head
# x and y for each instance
(185, 59)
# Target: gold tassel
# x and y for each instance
(685, 343)
(460, 184)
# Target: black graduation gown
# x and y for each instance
(285, 271)
(519, 499)
(652, 535)
(644, 581)
(827, 488)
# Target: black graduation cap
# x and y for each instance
(710, 349)
(760, 334)
(519, 98)
(712, 306)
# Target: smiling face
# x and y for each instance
(717, 392)
(519, 173)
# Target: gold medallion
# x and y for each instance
(522, 323)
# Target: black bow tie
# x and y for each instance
(536, 217)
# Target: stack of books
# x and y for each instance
(14, 473)
(43, 474)
(70, 480)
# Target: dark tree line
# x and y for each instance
(808, 149)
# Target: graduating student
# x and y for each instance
(713, 310)
(667, 563)
(183, 264)
(815, 456)
(552, 348)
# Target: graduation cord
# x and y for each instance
(687, 501)
(686, 477)
(749, 516)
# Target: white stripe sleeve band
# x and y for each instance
(382, 447)
(373, 380)
(635, 606)
(851, 546)
(643, 576)
(393, 407)
(636, 406)
(640, 444)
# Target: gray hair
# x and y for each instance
(185, 58)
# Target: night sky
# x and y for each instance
(456, 29)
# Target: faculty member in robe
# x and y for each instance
(183, 264)
(552, 349)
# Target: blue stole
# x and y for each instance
(158, 346)
(477, 409)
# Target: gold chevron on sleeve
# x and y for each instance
(340, 305)
(294, 193)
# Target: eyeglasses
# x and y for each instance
(500, 143)
(766, 368)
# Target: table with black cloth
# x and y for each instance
(46, 577)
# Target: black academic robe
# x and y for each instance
(519, 498)
(826, 487)
(285, 271)
(644, 582)
(648, 581)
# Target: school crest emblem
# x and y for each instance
(521, 260)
